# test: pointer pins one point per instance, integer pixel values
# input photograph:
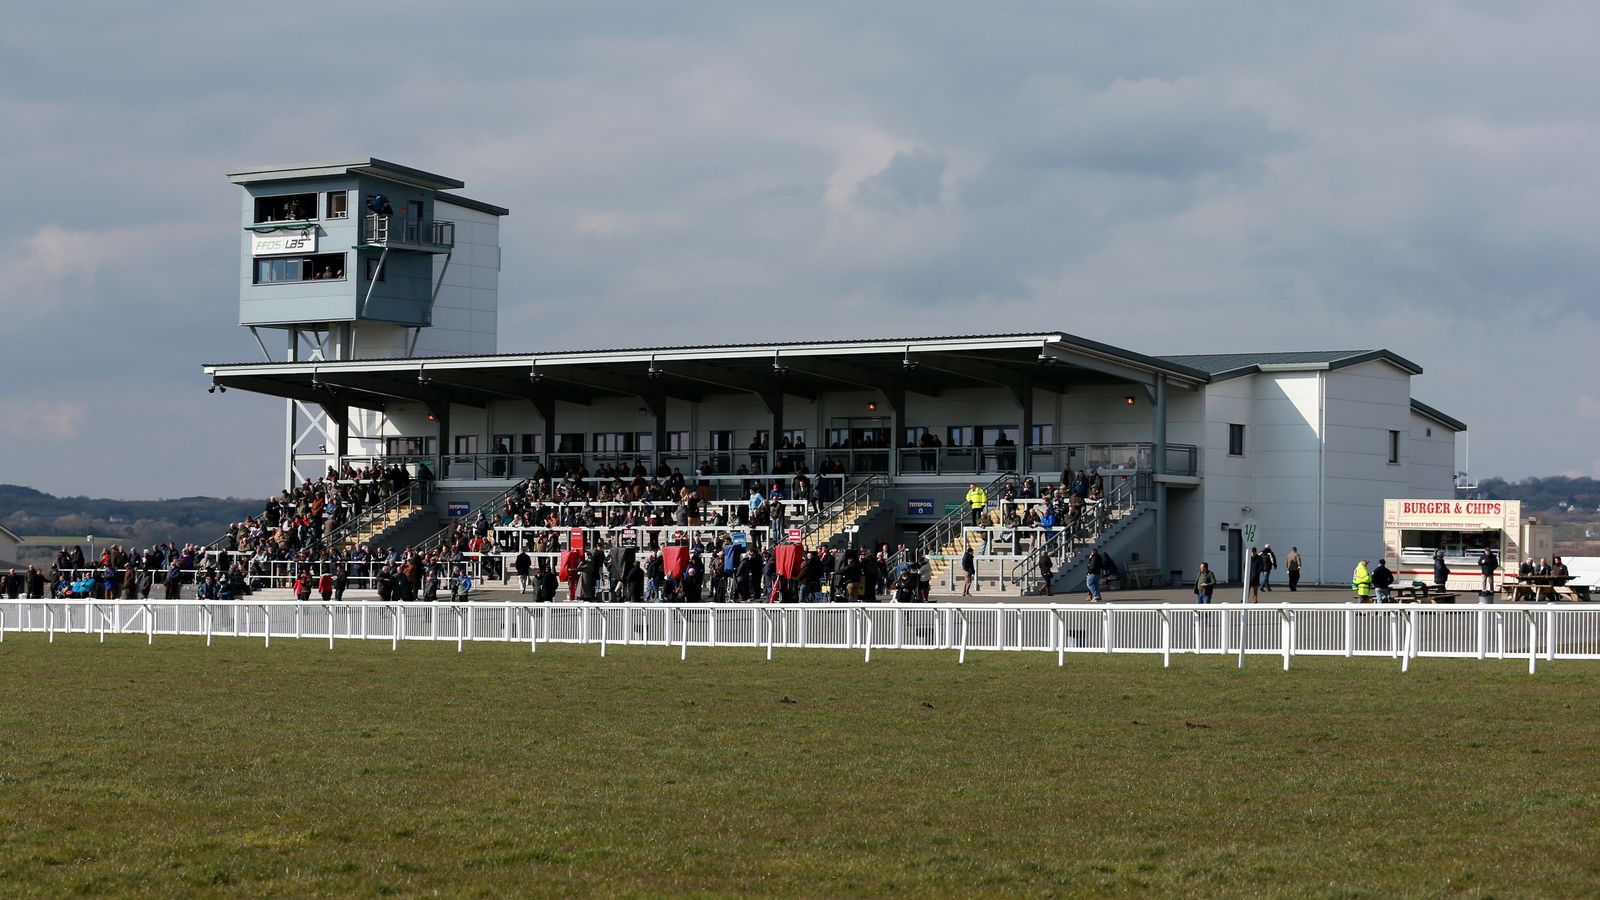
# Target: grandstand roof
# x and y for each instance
(1223, 366)
(924, 365)
(9, 533)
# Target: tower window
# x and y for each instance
(280, 269)
(338, 204)
(286, 208)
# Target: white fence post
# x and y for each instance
(1533, 641)
(867, 620)
(962, 656)
(1166, 638)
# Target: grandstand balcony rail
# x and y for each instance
(1041, 461)
(1403, 633)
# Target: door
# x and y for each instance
(1235, 556)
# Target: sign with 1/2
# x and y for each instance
(1250, 530)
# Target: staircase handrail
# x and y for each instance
(1086, 533)
(436, 540)
(860, 492)
(414, 494)
(945, 531)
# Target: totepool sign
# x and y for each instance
(919, 506)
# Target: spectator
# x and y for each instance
(1204, 584)
(1382, 582)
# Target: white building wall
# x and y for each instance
(1226, 480)
(1429, 452)
(1365, 402)
(465, 315)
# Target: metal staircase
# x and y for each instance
(491, 507)
(395, 510)
(1070, 546)
(856, 503)
(945, 540)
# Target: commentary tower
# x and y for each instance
(362, 259)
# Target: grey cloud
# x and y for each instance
(1161, 176)
(911, 179)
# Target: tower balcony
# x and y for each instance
(404, 232)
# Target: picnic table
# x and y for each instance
(1426, 593)
(1542, 587)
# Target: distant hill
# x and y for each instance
(1553, 499)
(139, 523)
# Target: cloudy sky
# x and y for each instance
(1170, 177)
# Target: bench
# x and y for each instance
(1426, 593)
(1141, 575)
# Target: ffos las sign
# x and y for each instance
(281, 242)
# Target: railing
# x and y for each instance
(1044, 462)
(834, 514)
(379, 231)
(1403, 633)
(415, 494)
(945, 531)
(1064, 544)
(488, 507)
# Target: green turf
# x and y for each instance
(298, 770)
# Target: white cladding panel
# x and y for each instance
(465, 314)
(1430, 459)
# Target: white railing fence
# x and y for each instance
(1400, 632)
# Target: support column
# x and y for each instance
(657, 405)
(1160, 451)
(774, 403)
(441, 417)
(339, 418)
(289, 427)
(896, 398)
(546, 407)
(1025, 439)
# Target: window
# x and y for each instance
(914, 434)
(613, 442)
(411, 446)
(338, 204)
(1042, 434)
(720, 440)
(644, 441)
(280, 269)
(286, 208)
(570, 442)
(532, 443)
(795, 436)
(1235, 440)
(677, 441)
(373, 269)
(501, 443)
(960, 436)
(1394, 448)
(466, 443)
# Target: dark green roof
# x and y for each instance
(1451, 422)
(1223, 366)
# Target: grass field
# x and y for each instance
(298, 770)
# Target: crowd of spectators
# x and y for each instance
(304, 518)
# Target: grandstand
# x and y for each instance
(412, 434)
